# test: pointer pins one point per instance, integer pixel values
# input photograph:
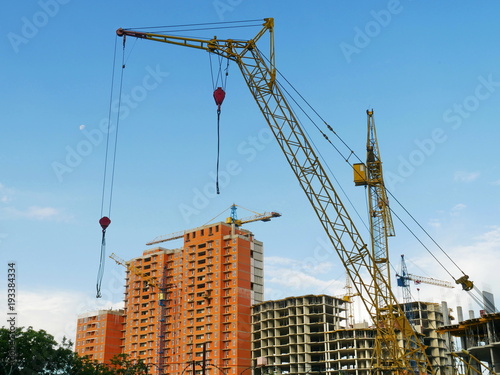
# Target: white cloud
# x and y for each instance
(6, 194)
(457, 209)
(435, 223)
(279, 261)
(462, 176)
(307, 265)
(35, 213)
(478, 259)
(286, 277)
(491, 239)
(55, 311)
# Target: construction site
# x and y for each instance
(200, 308)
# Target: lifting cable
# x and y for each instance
(320, 155)
(310, 138)
(346, 159)
(219, 95)
(104, 221)
(190, 27)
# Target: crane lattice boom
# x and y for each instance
(429, 280)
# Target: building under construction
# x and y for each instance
(291, 335)
(307, 335)
(478, 343)
(199, 309)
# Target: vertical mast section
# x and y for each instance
(381, 226)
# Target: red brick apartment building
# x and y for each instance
(99, 334)
(192, 303)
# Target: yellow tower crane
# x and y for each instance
(363, 269)
(381, 226)
(370, 175)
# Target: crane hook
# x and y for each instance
(219, 96)
(104, 222)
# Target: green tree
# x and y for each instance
(29, 352)
(125, 366)
(120, 365)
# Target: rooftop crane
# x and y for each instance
(376, 294)
(233, 219)
(266, 216)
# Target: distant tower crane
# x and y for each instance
(347, 297)
(405, 276)
(404, 279)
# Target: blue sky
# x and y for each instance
(429, 70)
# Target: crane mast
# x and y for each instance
(371, 176)
(381, 226)
(389, 356)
